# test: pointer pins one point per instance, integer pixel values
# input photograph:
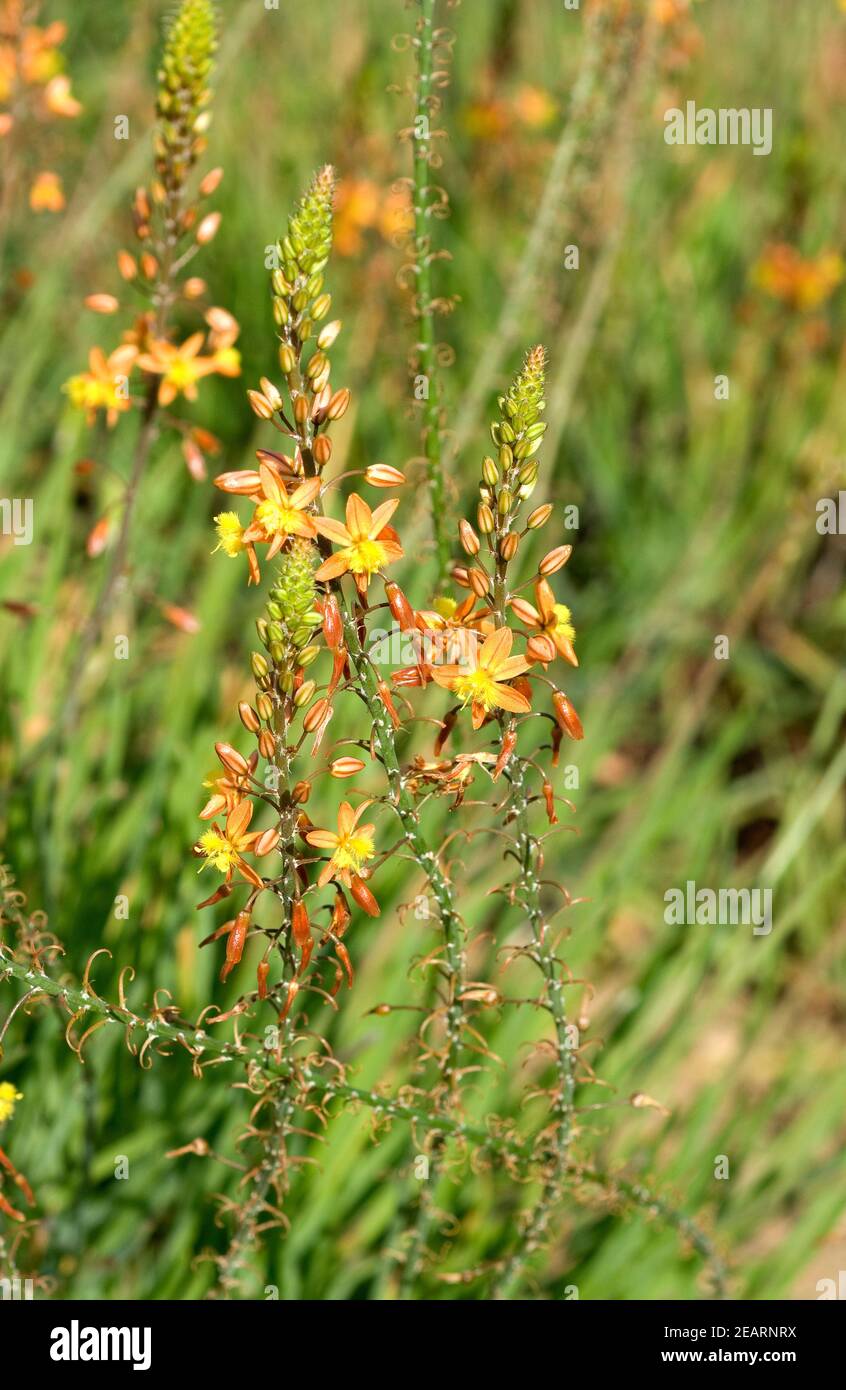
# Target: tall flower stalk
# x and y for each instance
(170, 227)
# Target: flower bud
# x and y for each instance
(346, 767)
(566, 716)
(322, 450)
(485, 518)
(400, 607)
(207, 229)
(539, 516)
(467, 536)
(508, 545)
(338, 404)
(210, 182)
(305, 693)
(363, 896)
(478, 581)
(333, 626)
(320, 307)
(328, 334)
(260, 405)
(232, 760)
(383, 475)
(319, 711)
(301, 792)
(540, 648)
(490, 472)
(248, 717)
(267, 841)
(287, 358)
(267, 744)
(102, 303)
(555, 560)
(264, 706)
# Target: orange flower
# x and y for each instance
(483, 687)
(800, 281)
(549, 617)
(224, 849)
(105, 385)
(179, 367)
(351, 846)
(46, 193)
(228, 790)
(368, 542)
(278, 514)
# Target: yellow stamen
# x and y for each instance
(230, 533)
(365, 557)
(218, 850)
(477, 687)
(275, 518)
(353, 851)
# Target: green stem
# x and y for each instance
(403, 804)
(425, 345)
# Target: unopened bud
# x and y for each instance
(467, 536)
(322, 450)
(567, 718)
(207, 229)
(539, 516)
(319, 711)
(383, 475)
(485, 518)
(328, 334)
(232, 760)
(305, 693)
(346, 767)
(248, 717)
(555, 560)
(338, 404)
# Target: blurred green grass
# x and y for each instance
(697, 519)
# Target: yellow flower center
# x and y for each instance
(276, 518)
(230, 532)
(218, 850)
(353, 851)
(365, 557)
(9, 1097)
(182, 372)
(477, 687)
(560, 622)
(445, 606)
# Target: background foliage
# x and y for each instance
(697, 519)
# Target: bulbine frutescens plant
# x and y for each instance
(485, 661)
(155, 362)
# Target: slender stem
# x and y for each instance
(425, 312)
(403, 804)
